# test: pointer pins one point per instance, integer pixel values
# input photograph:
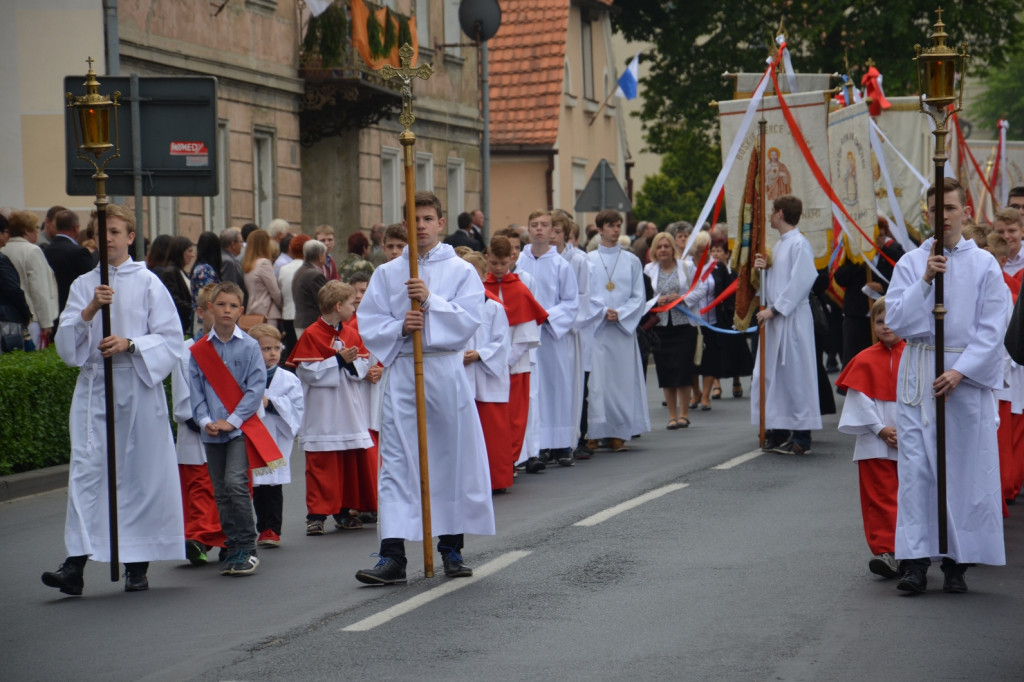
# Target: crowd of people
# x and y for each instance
(535, 350)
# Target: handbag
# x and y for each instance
(247, 322)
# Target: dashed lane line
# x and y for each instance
(736, 461)
(630, 504)
(419, 600)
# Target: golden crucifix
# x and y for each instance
(408, 139)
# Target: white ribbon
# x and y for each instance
(898, 227)
(925, 184)
(788, 63)
(1004, 185)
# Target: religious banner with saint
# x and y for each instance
(907, 143)
(786, 172)
(849, 149)
(1011, 175)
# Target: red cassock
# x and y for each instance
(202, 521)
(520, 307)
(1011, 430)
(335, 479)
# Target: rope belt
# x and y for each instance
(916, 356)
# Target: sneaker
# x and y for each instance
(195, 552)
(351, 523)
(564, 457)
(314, 527)
(582, 453)
(368, 517)
(791, 448)
(242, 563)
(268, 538)
(545, 457)
(386, 572)
(774, 439)
(534, 466)
(885, 565)
(453, 566)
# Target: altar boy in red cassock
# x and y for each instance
(524, 315)
(334, 434)
(870, 414)
(486, 363)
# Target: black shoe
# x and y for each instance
(535, 466)
(545, 457)
(774, 439)
(386, 572)
(914, 580)
(953, 582)
(791, 448)
(68, 577)
(135, 582)
(582, 448)
(453, 566)
(564, 457)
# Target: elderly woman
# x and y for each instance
(676, 331)
(307, 283)
(260, 281)
(37, 280)
(680, 232)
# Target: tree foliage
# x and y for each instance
(687, 172)
(699, 40)
(1002, 98)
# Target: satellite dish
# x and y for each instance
(486, 13)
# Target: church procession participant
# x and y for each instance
(869, 412)
(557, 292)
(977, 310)
(145, 344)
(331, 364)
(525, 316)
(791, 384)
(618, 394)
(451, 298)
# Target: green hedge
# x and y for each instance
(35, 402)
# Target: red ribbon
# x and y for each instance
(873, 90)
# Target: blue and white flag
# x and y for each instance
(629, 80)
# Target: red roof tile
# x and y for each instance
(527, 62)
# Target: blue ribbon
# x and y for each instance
(698, 319)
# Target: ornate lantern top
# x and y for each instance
(937, 66)
(92, 122)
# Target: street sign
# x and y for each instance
(177, 136)
(603, 191)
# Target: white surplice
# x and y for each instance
(977, 311)
(460, 481)
(861, 415)
(580, 265)
(335, 416)
(150, 524)
(556, 290)
(189, 445)
(617, 407)
(791, 377)
(285, 394)
(489, 376)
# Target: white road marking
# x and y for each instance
(736, 461)
(419, 600)
(629, 504)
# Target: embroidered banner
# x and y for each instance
(907, 143)
(853, 181)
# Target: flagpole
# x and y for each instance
(762, 131)
(600, 109)
(408, 139)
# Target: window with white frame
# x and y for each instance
(456, 187)
(390, 185)
(425, 171)
(423, 23)
(162, 216)
(452, 30)
(215, 208)
(264, 179)
(587, 47)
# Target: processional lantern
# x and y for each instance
(937, 67)
(95, 122)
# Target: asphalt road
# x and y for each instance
(755, 571)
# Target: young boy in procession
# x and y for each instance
(486, 362)
(331, 363)
(202, 521)
(556, 290)
(227, 380)
(451, 298)
(145, 344)
(524, 316)
(870, 414)
(396, 238)
(283, 406)
(369, 387)
(977, 311)
(618, 393)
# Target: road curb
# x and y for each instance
(31, 482)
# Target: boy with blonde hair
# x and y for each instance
(334, 433)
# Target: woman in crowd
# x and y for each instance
(207, 267)
(260, 282)
(156, 259)
(285, 278)
(181, 253)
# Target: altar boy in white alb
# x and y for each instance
(617, 407)
(977, 306)
(451, 298)
(145, 345)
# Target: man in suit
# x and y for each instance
(464, 235)
(476, 227)
(230, 248)
(67, 258)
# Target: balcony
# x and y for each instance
(340, 55)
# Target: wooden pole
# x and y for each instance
(108, 377)
(762, 127)
(939, 312)
(408, 140)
